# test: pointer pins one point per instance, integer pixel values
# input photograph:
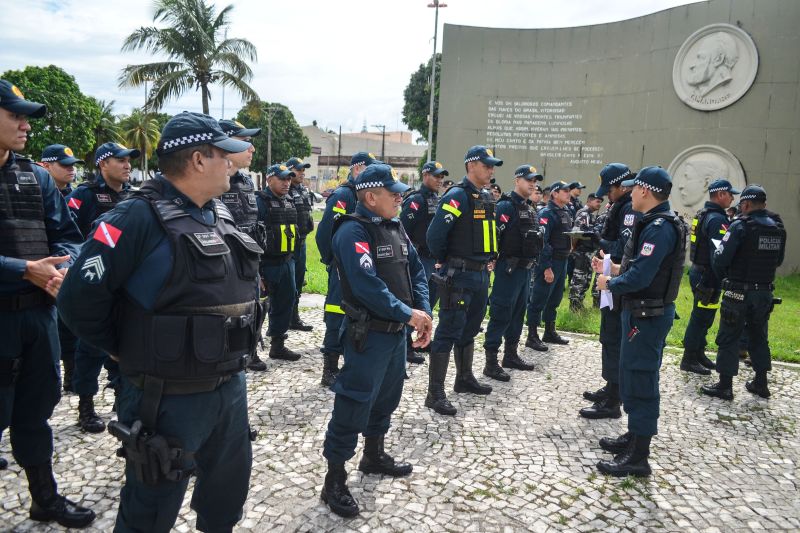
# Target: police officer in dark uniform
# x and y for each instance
(341, 202)
(60, 161)
(710, 224)
(462, 237)
(277, 212)
(38, 239)
(575, 203)
(88, 202)
(385, 288)
(418, 209)
(583, 249)
(171, 296)
(617, 230)
(648, 280)
(548, 283)
(304, 203)
(520, 243)
(746, 260)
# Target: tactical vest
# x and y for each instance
(476, 234)
(585, 245)
(425, 213)
(699, 252)
(203, 323)
(280, 225)
(303, 203)
(389, 247)
(559, 240)
(351, 205)
(758, 255)
(241, 202)
(614, 221)
(105, 200)
(522, 238)
(667, 281)
(22, 231)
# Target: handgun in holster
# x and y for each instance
(357, 325)
(154, 457)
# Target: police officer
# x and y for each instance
(170, 295)
(710, 224)
(548, 282)
(341, 202)
(304, 203)
(617, 230)
(463, 238)
(416, 214)
(279, 216)
(39, 238)
(648, 280)
(746, 260)
(520, 243)
(60, 161)
(573, 207)
(88, 202)
(384, 288)
(536, 198)
(585, 221)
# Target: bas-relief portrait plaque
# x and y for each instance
(695, 168)
(715, 67)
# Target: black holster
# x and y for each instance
(155, 458)
(357, 325)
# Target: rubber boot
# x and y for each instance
(632, 462)
(48, 505)
(551, 336)
(690, 363)
(722, 389)
(297, 323)
(376, 461)
(605, 408)
(758, 385)
(278, 350)
(335, 492)
(69, 367)
(511, 358)
(534, 341)
(330, 363)
(596, 396)
(616, 445)
(255, 363)
(87, 417)
(465, 380)
(437, 372)
(491, 369)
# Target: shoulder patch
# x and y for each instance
(658, 222)
(629, 219)
(107, 234)
(414, 205)
(93, 270)
(543, 220)
(647, 248)
(362, 247)
(504, 218)
(74, 203)
(365, 262)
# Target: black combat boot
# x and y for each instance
(255, 363)
(335, 492)
(491, 369)
(413, 355)
(48, 505)
(511, 358)
(605, 408)
(69, 367)
(297, 323)
(437, 371)
(703, 359)
(690, 363)
(534, 341)
(3, 463)
(376, 461)
(616, 445)
(465, 380)
(278, 350)
(758, 385)
(87, 417)
(632, 462)
(551, 336)
(596, 396)
(330, 367)
(722, 389)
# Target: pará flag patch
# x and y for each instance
(414, 206)
(341, 205)
(74, 203)
(362, 247)
(107, 234)
(542, 221)
(455, 203)
(647, 249)
(504, 218)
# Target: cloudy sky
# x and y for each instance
(340, 63)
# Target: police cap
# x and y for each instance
(380, 175)
(435, 168)
(528, 172)
(234, 128)
(280, 171)
(484, 155)
(104, 151)
(559, 186)
(612, 174)
(12, 99)
(755, 193)
(722, 185)
(652, 178)
(363, 158)
(295, 163)
(188, 129)
(58, 153)
(576, 185)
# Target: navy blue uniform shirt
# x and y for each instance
(409, 215)
(506, 212)
(342, 201)
(550, 222)
(453, 204)
(83, 202)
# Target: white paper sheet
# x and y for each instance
(606, 300)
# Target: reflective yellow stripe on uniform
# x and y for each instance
(287, 237)
(338, 210)
(693, 237)
(700, 305)
(450, 209)
(494, 236)
(330, 308)
(487, 238)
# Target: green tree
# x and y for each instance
(141, 130)
(417, 96)
(71, 115)
(288, 138)
(198, 54)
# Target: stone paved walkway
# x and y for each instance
(520, 459)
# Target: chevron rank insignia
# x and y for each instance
(93, 270)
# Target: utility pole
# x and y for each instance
(339, 152)
(436, 5)
(222, 115)
(383, 139)
(270, 111)
(144, 109)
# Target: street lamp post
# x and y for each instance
(383, 139)
(436, 4)
(270, 111)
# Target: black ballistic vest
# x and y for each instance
(22, 231)
(303, 203)
(105, 199)
(559, 239)
(425, 215)
(614, 221)
(475, 231)
(389, 246)
(757, 257)
(280, 225)
(521, 237)
(241, 202)
(203, 322)
(699, 252)
(667, 280)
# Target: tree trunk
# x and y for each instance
(204, 91)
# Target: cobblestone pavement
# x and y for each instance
(519, 459)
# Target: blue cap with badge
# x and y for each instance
(380, 175)
(104, 151)
(722, 185)
(576, 185)
(280, 171)
(754, 192)
(363, 158)
(652, 178)
(12, 99)
(435, 168)
(234, 128)
(528, 172)
(295, 163)
(188, 129)
(559, 186)
(612, 174)
(484, 155)
(58, 153)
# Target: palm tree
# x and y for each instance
(141, 130)
(198, 51)
(106, 129)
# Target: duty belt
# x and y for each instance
(524, 263)
(25, 300)
(384, 326)
(642, 307)
(184, 386)
(741, 286)
(276, 260)
(460, 263)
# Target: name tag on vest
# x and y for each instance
(769, 243)
(208, 239)
(230, 198)
(104, 198)
(384, 251)
(26, 178)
